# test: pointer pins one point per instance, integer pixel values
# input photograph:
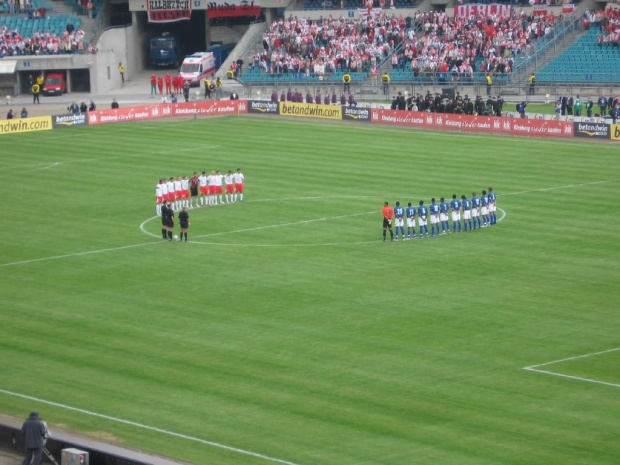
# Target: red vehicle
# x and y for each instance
(55, 84)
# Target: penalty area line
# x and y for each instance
(535, 368)
(149, 428)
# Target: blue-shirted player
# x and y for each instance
(475, 210)
(484, 201)
(422, 222)
(492, 206)
(466, 203)
(455, 205)
(434, 210)
(410, 212)
(399, 215)
(443, 216)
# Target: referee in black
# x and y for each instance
(184, 223)
(164, 221)
(169, 220)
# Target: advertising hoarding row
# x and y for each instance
(423, 120)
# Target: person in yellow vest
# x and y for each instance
(532, 82)
(36, 90)
(207, 89)
(40, 80)
(218, 88)
(121, 70)
(489, 81)
(346, 79)
(385, 80)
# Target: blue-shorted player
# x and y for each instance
(434, 209)
(466, 212)
(410, 212)
(422, 215)
(443, 216)
(455, 205)
(484, 201)
(475, 210)
(492, 206)
(399, 215)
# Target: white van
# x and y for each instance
(197, 67)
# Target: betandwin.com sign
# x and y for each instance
(69, 120)
(593, 130)
(13, 126)
(310, 110)
(261, 106)
(356, 114)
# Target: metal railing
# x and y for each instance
(563, 37)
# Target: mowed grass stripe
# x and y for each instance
(348, 355)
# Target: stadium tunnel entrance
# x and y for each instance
(191, 34)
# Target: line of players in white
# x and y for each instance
(470, 213)
(202, 190)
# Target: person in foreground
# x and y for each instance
(34, 436)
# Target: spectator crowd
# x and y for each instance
(327, 45)
(12, 43)
(456, 47)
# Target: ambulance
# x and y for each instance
(198, 66)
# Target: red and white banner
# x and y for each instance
(167, 11)
(483, 9)
(568, 8)
(468, 123)
(165, 110)
(539, 10)
(233, 8)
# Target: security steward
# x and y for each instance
(532, 82)
(207, 89)
(385, 80)
(186, 91)
(218, 88)
(346, 79)
(36, 91)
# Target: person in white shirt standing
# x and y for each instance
(228, 180)
(239, 180)
(204, 188)
(178, 193)
(171, 191)
(185, 190)
(158, 197)
(218, 186)
(211, 182)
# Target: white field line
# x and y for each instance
(534, 368)
(556, 188)
(77, 254)
(149, 428)
(324, 244)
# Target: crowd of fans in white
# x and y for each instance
(428, 42)
(609, 23)
(12, 43)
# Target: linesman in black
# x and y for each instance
(169, 220)
(34, 435)
(184, 223)
(164, 221)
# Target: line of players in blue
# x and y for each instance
(467, 215)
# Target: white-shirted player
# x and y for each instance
(178, 193)
(204, 188)
(239, 180)
(211, 182)
(185, 190)
(218, 179)
(171, 191)
(158, 197)
(228, 180)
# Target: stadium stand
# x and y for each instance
(594, 58)
(303, 50)
(50, 35)
(466, 49)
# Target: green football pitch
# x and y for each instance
(286, 331)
